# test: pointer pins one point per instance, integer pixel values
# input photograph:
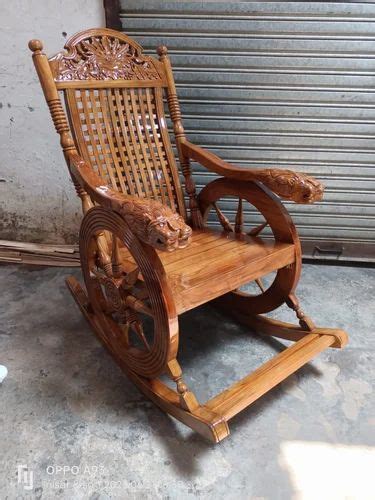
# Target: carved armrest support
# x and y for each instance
(151, 221)
(289, 185)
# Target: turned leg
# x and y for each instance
(305, 322)
(187, 398)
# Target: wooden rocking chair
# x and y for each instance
(142, 263)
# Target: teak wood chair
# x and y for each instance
(146, 257)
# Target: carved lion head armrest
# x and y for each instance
(155, 223)
(289, 185)
(151, 221)
(293, 186)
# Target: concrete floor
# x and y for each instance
(76, 428)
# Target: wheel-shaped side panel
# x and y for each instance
(283, 231)
(151, 362)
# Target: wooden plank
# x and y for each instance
(249, 389)
(51, 263)
(39, 247)
(39, 254)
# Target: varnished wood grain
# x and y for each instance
(287, 184)
(283, 330)
(209, 424)
(140, 258)
(244, 392)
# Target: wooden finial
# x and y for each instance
(162, 50)
(35, 45)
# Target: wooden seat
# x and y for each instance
(146, 256)
(192, 271)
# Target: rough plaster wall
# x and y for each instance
(37, 199)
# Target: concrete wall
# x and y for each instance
(37, 199)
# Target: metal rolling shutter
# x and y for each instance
(288, 84)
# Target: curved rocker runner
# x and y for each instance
(146, 258)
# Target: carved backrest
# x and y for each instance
(114, 102)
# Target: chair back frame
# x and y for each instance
(114, 115)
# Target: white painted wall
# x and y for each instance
(37, 199)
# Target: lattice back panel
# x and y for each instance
(122, 132)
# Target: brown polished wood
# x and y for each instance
(146, 258)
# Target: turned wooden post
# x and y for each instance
(188, 401)
(60, 121)
(305, 322)
(179, 132)
(57, 112)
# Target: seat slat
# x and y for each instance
(222, 250)
(201, 245)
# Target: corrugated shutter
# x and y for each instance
(288, 84)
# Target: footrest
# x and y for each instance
(247, 390)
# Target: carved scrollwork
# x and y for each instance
(118, 301)
(151, 221)
(103, 57)
(287, 184)
(155, 223)
(292, 185)
(113, 294)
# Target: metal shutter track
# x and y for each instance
(288, 84)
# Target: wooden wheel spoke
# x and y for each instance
(227, 226)
(137, 328)
(239, 217)
(257, 230)
(138, 305)
(115, 258)
(260, 283)
(124, 327)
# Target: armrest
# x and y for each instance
(151, 221)
(287, 184)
